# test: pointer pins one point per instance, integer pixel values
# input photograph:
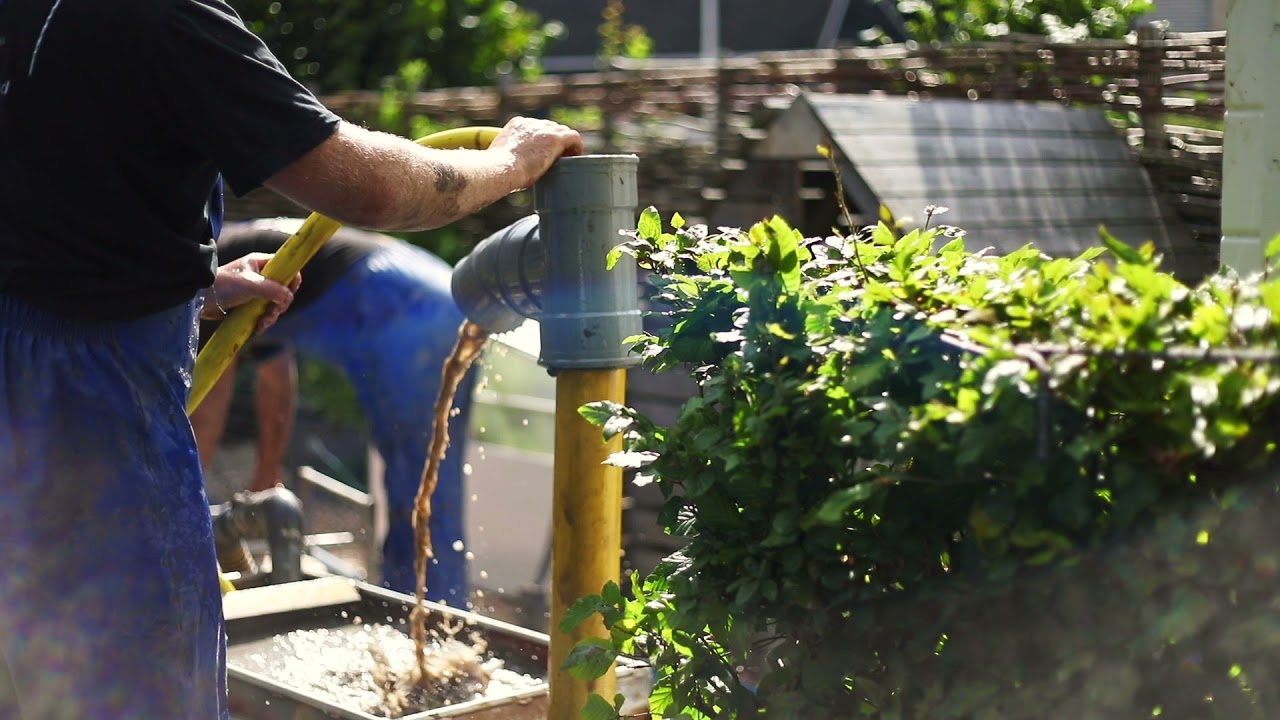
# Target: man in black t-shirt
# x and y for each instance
(380, 311)
(117, 120)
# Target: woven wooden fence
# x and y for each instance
(694, 122)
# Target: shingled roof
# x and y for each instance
(1009, 172)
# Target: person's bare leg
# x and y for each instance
(275, 399)
(209, 421)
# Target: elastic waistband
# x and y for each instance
(19, 316)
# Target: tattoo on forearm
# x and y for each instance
(448, 179)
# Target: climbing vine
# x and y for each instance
(923, 481)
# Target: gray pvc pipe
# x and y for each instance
(588, 311)
(497, 285)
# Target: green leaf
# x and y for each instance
(784, 252)
(661, 697)
(590, 658)
(650, 225)
(616, 425)
(599, 413)
(782, 531)
(708, 438)
(677, 221)
(777, 330)
(597, 708)
(835, 506)
(612, 594)
(883, 235)
(1122, 251)
(1090, 254)
(825, 671)
(954, 246)
(631, 458)
(582, 609)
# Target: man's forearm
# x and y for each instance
(383, 182)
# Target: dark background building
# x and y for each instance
(746, 26)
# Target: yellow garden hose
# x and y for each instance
(237, 328)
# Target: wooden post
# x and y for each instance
(586, 543)
(1151, 87)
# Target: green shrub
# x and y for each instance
(334, 45)
(936, 483)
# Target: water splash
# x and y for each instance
(471, 342)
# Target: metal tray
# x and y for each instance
(256, 615)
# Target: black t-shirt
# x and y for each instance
(118, 116)
(330, 262)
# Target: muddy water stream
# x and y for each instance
(377, 667)
(471, 341)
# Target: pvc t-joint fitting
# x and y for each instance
(552, 267)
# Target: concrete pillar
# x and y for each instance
(1251, 164)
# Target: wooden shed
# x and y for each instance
(1009, 173)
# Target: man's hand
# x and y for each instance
(535, 145)
(240, 281)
